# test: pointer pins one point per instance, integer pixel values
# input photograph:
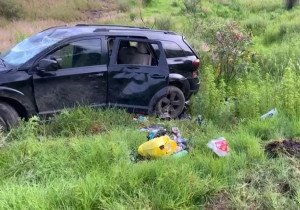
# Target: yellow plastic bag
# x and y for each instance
(158, 147)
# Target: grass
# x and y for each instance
(78, 168)
(81, 159)
(48, 9)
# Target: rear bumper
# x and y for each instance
(194, 86)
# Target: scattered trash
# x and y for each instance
(182, 153)
(184, 116)
(152, 128)
(288, 147)
(219, 146)
(158, 147)
(141, 119)
(162, 143)
(200, 120)
(155, 133)
(181, 142)
(271, 113)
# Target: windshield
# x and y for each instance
(32, 46)
(28, 48)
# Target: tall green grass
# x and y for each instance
(83, 170)
(81, 159)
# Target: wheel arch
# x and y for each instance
(17, 100)
(21, 110)
(180, 82)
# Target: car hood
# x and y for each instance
(4, 69)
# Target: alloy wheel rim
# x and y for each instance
(170, 104)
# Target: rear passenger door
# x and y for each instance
(135, 73)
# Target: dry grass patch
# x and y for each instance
(11, 32)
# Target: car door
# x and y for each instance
(135, 73)
(80, 80)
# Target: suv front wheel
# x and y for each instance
(8, 117)
(171, 104)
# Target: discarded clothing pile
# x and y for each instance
(161, 143)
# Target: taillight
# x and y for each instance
(196, 65)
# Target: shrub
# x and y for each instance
(174, 4)
(10, 9)
(163, 23)
(132, 16)
(290, 4)
(146, 2)
(211, 101)
(229, 47)
(191, 6)
(123, 5)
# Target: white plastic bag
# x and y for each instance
(219, 146)
(271, 113)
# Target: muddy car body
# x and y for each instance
(142, 70)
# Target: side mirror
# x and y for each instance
(46, 65)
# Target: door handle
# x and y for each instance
(133, 67)
(178, 60)
(158, 76)
(96, 75)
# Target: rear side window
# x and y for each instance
(172, 49)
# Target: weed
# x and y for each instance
(163, 23)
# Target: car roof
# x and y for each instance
(114, 30)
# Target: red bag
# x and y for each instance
(219, 146)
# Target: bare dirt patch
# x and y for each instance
(10, 33)
(220, 202)
(108, 10)
(287, 147)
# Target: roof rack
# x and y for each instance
(54, 27)
(120, 26)
(129, 29)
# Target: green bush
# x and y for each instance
(10, 9)
(146, 2)
(124, 5)
(191, 6)
(163, 23)
(229, 50)
(132, 16)
(174, 3)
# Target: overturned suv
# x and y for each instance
(142, 70)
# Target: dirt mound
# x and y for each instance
(288, 147)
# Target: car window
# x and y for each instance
(136, 53)
(172, 49)
(78, 54)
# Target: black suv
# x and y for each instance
(146, 71)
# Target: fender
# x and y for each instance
(184, 83)
(12, 94)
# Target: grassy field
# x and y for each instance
(81, 159)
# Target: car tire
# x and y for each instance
(171, 104)
(8, 117)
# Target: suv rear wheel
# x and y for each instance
(171, 104)
(8, 117)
